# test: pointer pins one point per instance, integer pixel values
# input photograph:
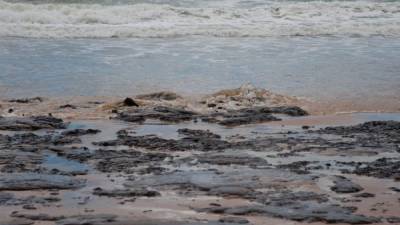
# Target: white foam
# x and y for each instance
(361, 18)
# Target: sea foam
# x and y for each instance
(272, 18)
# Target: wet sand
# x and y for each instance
(164, 159)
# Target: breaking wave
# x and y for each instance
(269, 19)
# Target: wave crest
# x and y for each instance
(360, 18)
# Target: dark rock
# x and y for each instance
(65, 140)
(227, 190)
(364, 195)
(229, 118)
(5, 197)
(30, 141)
(80, 132)
(214, 181)
(162, 113)
(380, 168)
(151, 142)
(287, 110)
(124, 161)
(130, 102)
(164, 95)
(88, 220)
(198, 133)
(96, 102)
(17, 222)
(67, 106)
(395, 189)
(370, 134)
(31, 123)
(30, 181)
(29, 207)
(231, 219)
(151, 170)
(8, 199)
(27, 100)
(367, 127)
(252, 115)
(309, 212)
(393, 219)
(17, 161)
(38, 217)
(245, 116)
(73, 153)
(126, 193)
(108, 220)
(299, 167)
(344, 185)
(228, 159)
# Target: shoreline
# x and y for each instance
(199, 112)
(101, 107)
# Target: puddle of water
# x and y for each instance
(53, 161)
(109, 129)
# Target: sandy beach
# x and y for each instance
(238, 156)
(199, 112)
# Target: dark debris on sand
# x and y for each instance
(229, 118)
(253, 169)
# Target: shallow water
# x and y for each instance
(53, 161)
(319, 68)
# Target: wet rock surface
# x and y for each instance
(198, 172)
(87, 219)
(9, 199)
(125, 161)
(125, 193)
(80, 132)
(344, 185)
(163, 113)
(20, 182)
(129, 102)
(373, 133)
(164, 95)
(226, 118)
(252, 115)
(17, 222)
(381, 168)
(27, 100)
(308, 212)
(228, 159)
(31, 123)
(199, 142)
(40, 216)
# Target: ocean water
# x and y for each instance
(181, 18)
(315, 49)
